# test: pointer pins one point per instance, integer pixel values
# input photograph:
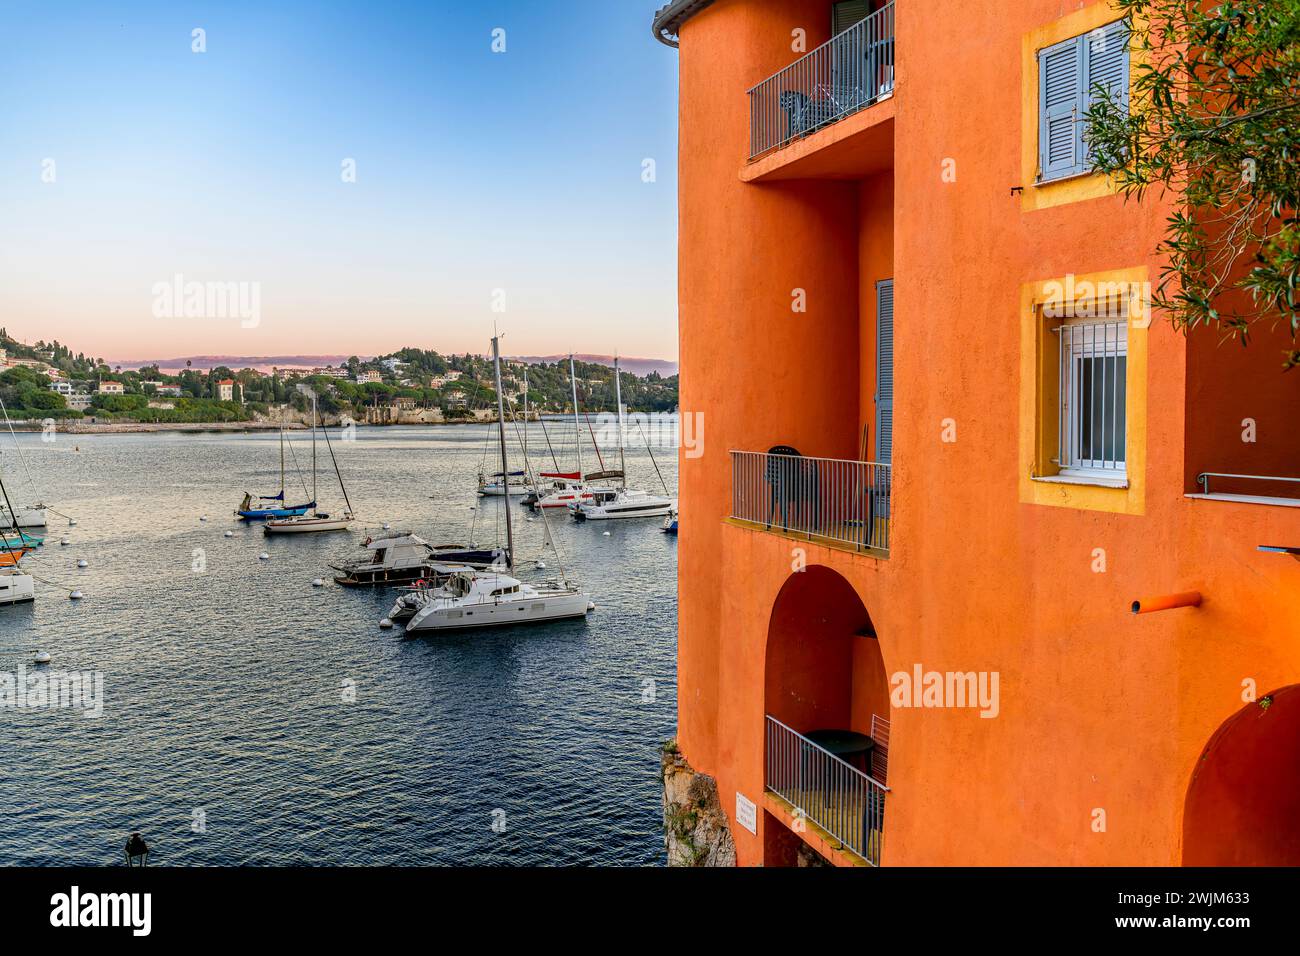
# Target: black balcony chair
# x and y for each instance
(804, 113)
(793, 483)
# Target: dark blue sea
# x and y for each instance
(250, 718)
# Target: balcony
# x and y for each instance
(846, 74)
(826, 792)
(842, 504)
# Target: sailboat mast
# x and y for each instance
(315, 417)
(618, 400)
(342, 487)
(577, 426)
(505, 464)
(525, 434)
(282, 499)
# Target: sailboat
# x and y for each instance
(31, 516)
(248, 512)
(316, 521)
(491, 486)
(493, 598)
(567, 489)
(15, 587)
(622, 501)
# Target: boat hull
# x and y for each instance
(553, 606)
(367, 577)
(602, 513)
(306, 525)
(20, 540)
(495, 491)
(267, 514)
(561, 501)
(16, 589)
(28, 518)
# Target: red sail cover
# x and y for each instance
(567, 475)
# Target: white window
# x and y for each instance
(1093, 375)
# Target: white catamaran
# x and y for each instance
(493, 598)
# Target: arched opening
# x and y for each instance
(1243, 804)
(826, 697)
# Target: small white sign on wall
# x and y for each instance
(746, 813)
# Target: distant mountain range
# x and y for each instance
(264, 363)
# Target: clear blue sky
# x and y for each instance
(475, 171)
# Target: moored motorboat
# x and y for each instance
(403, 557)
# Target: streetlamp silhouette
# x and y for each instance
(137, 851)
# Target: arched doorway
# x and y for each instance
(826, 697)
(1243, 804)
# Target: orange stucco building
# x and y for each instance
(945, 444)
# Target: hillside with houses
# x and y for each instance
(46, 380)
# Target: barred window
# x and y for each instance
(1093, 375)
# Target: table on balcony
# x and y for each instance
(849, 745)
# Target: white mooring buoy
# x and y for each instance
(605, 533)
(318, 583)
(385, 624)
(387, 526)
(72, 523)
(42, 657)
(76, 596)
(63, 543)
(83, 563)
(591, 605)
(541, 565)
(203, 518)
(230, 534)
(264, 557)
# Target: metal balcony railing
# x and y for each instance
(848, 72)
(842, 502)
(838, 797)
